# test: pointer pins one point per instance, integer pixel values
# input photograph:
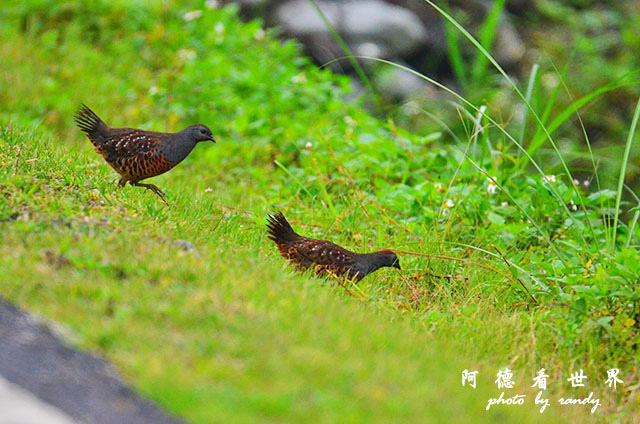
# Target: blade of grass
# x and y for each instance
(538, 141)
(547, 110)
(623, 172)
(530, 85)
(455, 55)
(437, 121)
(302, 186)
(636, 215)
(537, 281)
(632, 227)
(486, 35)
(593, 163)
(478, 130)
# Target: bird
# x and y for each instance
(138, 154)
(322, 256)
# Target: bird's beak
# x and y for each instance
(396, 264)
(212, 139)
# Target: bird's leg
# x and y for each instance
(153, 188)
(122, 182)
(342, 283)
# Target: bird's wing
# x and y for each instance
(127, 142)
(322, 252)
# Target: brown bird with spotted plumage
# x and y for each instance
(138, 154)
(323, 256)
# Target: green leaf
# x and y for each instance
(495, 218)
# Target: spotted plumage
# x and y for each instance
(323, 256)
(139, 154)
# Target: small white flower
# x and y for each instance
(192, 16)
(504, 204)
(153, 90)
(219, 28)
(446, 206)
(259, 35)
(187, 54)
(308, 145)
(212, 4)
(208, 190)
(492, 187)
(299, 78)
(576, 182)
(586, 183)
(549, 179)
(573, 206)
(438, 186)
(349, 121)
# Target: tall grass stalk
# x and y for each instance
(632, 227)
(636, 214)
(623, 172)
(530, 86)
(486, 35)
(591, 157)
(455, 54)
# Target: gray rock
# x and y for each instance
(431, 22)
(508, 48)
(399, 30)
(185, 245)
(368, 27)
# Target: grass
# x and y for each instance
(223, 330)
(193, 304)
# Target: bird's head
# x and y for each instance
(199, 133)
(388, 258)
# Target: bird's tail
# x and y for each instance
(280, 230)
(91, 124)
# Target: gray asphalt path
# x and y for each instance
(41, 376)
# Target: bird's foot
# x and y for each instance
(153, 188)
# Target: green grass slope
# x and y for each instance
(194, 306)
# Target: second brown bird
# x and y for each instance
(323, 256)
